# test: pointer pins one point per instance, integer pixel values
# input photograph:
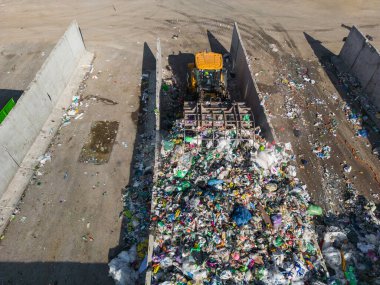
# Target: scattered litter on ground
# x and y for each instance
(347, 168)
(87, 237)
(322, 151)
(44, 158)
(273, 47)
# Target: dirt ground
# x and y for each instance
(69, 223)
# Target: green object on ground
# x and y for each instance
(314, 210)
(127, 214)
(196, 248)
(2, 116)
(261, 273)
(185, 185)
(310, 248)
(350, 276)
(6, 109)
(246, 118)
(168, 145)
(165, 87)
(278, 241)
(181, 174)
(189, 139)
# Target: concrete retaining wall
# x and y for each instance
(363, 60)
(21, 127)
(249, 92)
(158, 85)
(148, 276)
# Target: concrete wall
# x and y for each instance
(21, 127)
(249, 92)
(158, 85)
(148, 275)
(363, 60)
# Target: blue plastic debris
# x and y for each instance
(214, 182)
(362, 133)
(241, 216)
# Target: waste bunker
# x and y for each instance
(225, 212)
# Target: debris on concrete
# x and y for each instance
(322, 152)
(44, 158)
(124, 144)
(273, 47)
(347, 168)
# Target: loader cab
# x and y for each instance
(206, 76)
(208, 80)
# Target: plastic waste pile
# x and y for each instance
(351, 241)
(121, 267)
(232, 213)
(361, 120)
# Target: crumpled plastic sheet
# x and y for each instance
(196, 196)
(121, 270)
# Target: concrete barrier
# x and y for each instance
(158, 85)
(249, 91)
(23, 124)
(352, 47)
(363, 61)
(148, 275)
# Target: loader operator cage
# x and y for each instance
(208, 80)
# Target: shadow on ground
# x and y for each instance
(356, 227)
(137, 194)
(7, 94)
(325, 57)
(174, 89)
(215, 44)
(32, 273)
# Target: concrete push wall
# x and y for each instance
(158, 85)
(23, 124)
(363, 60)
(249, 92)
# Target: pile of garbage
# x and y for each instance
(363, 120)
(351, 241)
(232, 213)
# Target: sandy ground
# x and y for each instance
(48, 245)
